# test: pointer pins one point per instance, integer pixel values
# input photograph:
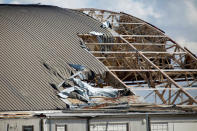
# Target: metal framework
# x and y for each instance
(142, 56)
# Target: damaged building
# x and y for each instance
(92, 70)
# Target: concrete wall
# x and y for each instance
(16, 124)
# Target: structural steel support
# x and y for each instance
(162, 72)
(142, 54)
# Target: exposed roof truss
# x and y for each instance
(141, 55)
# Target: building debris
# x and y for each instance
(106, 24)
(96, 33)
(88, 93)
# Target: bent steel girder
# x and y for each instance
(141, 55)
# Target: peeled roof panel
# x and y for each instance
(30, 35)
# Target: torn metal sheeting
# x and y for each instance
(96, 33)
(106, 24)
(82, 72)
(87, 92)
(77, 67)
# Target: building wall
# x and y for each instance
(72, 124)
(175, 123)
(16, 124)
(133, 123)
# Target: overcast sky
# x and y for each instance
(178, 18)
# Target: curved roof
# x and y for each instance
(37, 43)
(31, 35)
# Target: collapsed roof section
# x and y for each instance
(85, 89)
(142, 56)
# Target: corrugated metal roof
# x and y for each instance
(31, 35)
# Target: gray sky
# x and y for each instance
(178, 18)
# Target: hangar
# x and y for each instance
(91, 69)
